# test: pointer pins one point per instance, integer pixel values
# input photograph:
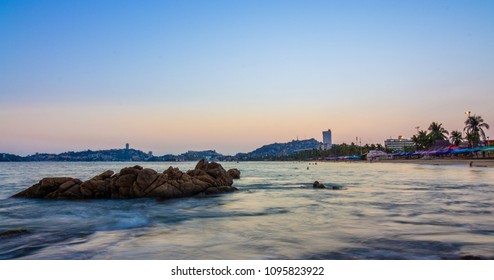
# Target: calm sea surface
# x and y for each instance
(384, 211)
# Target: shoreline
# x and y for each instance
(462, 162)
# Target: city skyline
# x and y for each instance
(169, 77)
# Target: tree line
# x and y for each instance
(474, 134)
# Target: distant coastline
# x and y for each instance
(266, 152)
(297, 150)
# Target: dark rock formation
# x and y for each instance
(318, 185)
(13, 232)
(337, 187)
(134, 182)
(234, 173)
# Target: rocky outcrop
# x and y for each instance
(134, 182)
(234, 173)
(318, 185)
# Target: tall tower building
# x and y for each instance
(127, 146)
(327, 142)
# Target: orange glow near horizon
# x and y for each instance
(228, 130)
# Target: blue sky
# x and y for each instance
(172, 76)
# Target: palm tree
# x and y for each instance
(474, 127)
(421, 140)
(437, 132)
(473, 139)
(456, 137)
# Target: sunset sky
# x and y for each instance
(172, 76)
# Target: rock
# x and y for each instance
(212, 190)
(69, 184)
(94, 188)
(165, 190)
(121, 187)
(134, 182)
(318, 185)
(201, 165)
(173, 173)
(234, 173)
(145, 178)
(44, 187)
(196, 172)
(75, 183)
(73, 193)
(130, 170)
(336, 187)
(104, 175)
(12, 232)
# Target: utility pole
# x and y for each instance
(358, 141)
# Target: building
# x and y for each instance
(398, 145)
(127, 146)
(327, 141)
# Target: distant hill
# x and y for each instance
(102, 155)
(280, 149)
(9, 157)
(265, 152)
(106, 155)
(191, 156)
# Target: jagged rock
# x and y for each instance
(104, 175)
(318, 185)
(134, 182)
(201, 165)
(234, 173)
(44, 187)
(95, 188)
(120, 186)
(67, 188)
(145, 178)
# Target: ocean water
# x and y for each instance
(376, 211)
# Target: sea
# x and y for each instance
(367, 211)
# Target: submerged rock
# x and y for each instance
(135, 182)
(336, 187)
(318, 185)
(11, 232)
(234, 173)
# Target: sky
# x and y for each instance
(173, 76)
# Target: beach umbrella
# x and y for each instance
(465, 150)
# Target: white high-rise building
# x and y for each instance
(398, 145)
(327, 141)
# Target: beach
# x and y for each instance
(465, 162)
